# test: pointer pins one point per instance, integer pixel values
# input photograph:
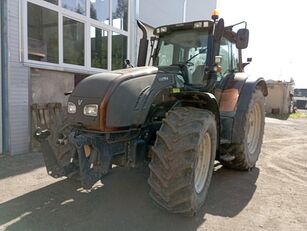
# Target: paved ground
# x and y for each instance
(273, 196)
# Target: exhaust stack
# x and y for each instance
(143, 46)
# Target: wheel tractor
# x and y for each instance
(193, 106)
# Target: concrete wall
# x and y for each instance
(19, 119)
(50, 86)
(279, 97)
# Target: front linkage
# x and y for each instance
(92, 154)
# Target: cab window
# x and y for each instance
(230, 59)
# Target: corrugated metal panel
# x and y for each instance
(18, 86)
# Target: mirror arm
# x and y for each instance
(231, 26)
(241, 65)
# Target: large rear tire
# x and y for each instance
(247, 153)
(183, 160)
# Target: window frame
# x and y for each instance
(87, 21)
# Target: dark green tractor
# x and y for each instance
(195, 105)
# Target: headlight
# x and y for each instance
(163, 29)
(90, 110)
(198, 24)
(71, 108)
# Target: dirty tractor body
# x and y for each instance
(195, 105)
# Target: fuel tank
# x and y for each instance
(122, 97)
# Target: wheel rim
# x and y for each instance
(202, 167)
(253, 134)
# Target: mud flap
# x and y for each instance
(51, 131)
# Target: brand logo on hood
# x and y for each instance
(80, 101)
(163, 78)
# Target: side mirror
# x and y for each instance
(249, 60)
(219, 30)
(242, 38)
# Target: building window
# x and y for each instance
(78, 6)
(119, 50)
(120, 14)
(42, 34)
(56, 2)
(56, 37)
(99, 48)
(100, 10)
(73, 41)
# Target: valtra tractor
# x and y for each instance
(193, 106)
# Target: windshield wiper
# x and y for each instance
(201, 51)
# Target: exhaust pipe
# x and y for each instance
(143, 46)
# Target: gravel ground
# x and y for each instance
(273, 196)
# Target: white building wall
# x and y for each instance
(199, 9)
(0, 95)
(159, 12)
(19, 136)
(162, 12)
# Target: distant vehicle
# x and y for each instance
(300, 98)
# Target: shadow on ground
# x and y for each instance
(19, 164)
(121, 204)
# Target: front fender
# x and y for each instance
(202, 100)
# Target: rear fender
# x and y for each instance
(243, 102)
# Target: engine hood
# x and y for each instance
(118, 95)
(97, 85)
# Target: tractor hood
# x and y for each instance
(123, 97)
(96, 85)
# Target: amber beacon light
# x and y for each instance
(215, 14)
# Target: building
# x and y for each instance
(47, 46)
(280, 97)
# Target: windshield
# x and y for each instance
(184, 47)
(300, 92)
(180, 47)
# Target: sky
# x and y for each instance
(277, 36)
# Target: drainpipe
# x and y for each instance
(4, 77)
(184, 11)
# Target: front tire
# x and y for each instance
(183, 160)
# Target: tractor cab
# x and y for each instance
(204, 53)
